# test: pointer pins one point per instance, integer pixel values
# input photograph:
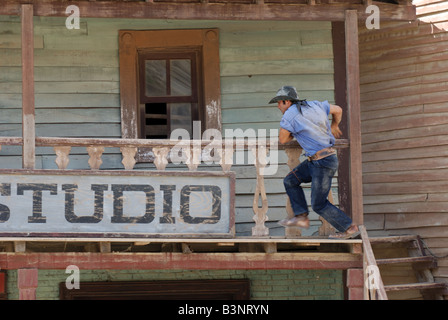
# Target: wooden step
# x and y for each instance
(415, 286)
(418, 259)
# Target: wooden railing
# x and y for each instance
(193, 150)
(373, 283)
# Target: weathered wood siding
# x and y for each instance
(404, 74)
(77, 87)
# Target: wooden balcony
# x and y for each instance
(111, 250)
(160, 149)
(192, 167)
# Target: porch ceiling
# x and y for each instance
(324, 10)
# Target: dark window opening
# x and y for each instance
(159, 290)
(156, 121)
(170, 95)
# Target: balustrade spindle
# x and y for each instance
(326, 229)
(293, 161)
(95, 154)
(226, 156)
(161, 157)
(128, 154)
(62, 158)
(194, 156)
(260, 230)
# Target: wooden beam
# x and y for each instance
(150, 143)
(354, 114)
(174, 260)
(302, 241)
(28, 113)
(209, 11)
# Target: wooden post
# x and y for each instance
(28, 114)
(355, 284)
(340, 96)
(27, 283)
(354, 114)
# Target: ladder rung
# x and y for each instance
(415, 286)
(418, 259)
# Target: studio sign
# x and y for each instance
(115, 204)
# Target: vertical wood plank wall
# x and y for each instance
(77, 87)
(404, 103)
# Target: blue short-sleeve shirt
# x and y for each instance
(309, 126)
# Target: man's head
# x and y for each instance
(285, 97)
(283, 105)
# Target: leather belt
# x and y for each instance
(322, 154)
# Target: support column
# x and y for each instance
(27, 283)
(28, 113)
(355, 284)
(340, 96)
(3, 294)
(354, 113)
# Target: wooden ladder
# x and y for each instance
(420, 262)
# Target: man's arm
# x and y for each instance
(284, 136)
(336, 112)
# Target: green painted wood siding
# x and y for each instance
(264, 284)
(77, 86)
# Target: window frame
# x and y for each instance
(131, 42)
(194, 99)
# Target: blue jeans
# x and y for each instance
(319, 173)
